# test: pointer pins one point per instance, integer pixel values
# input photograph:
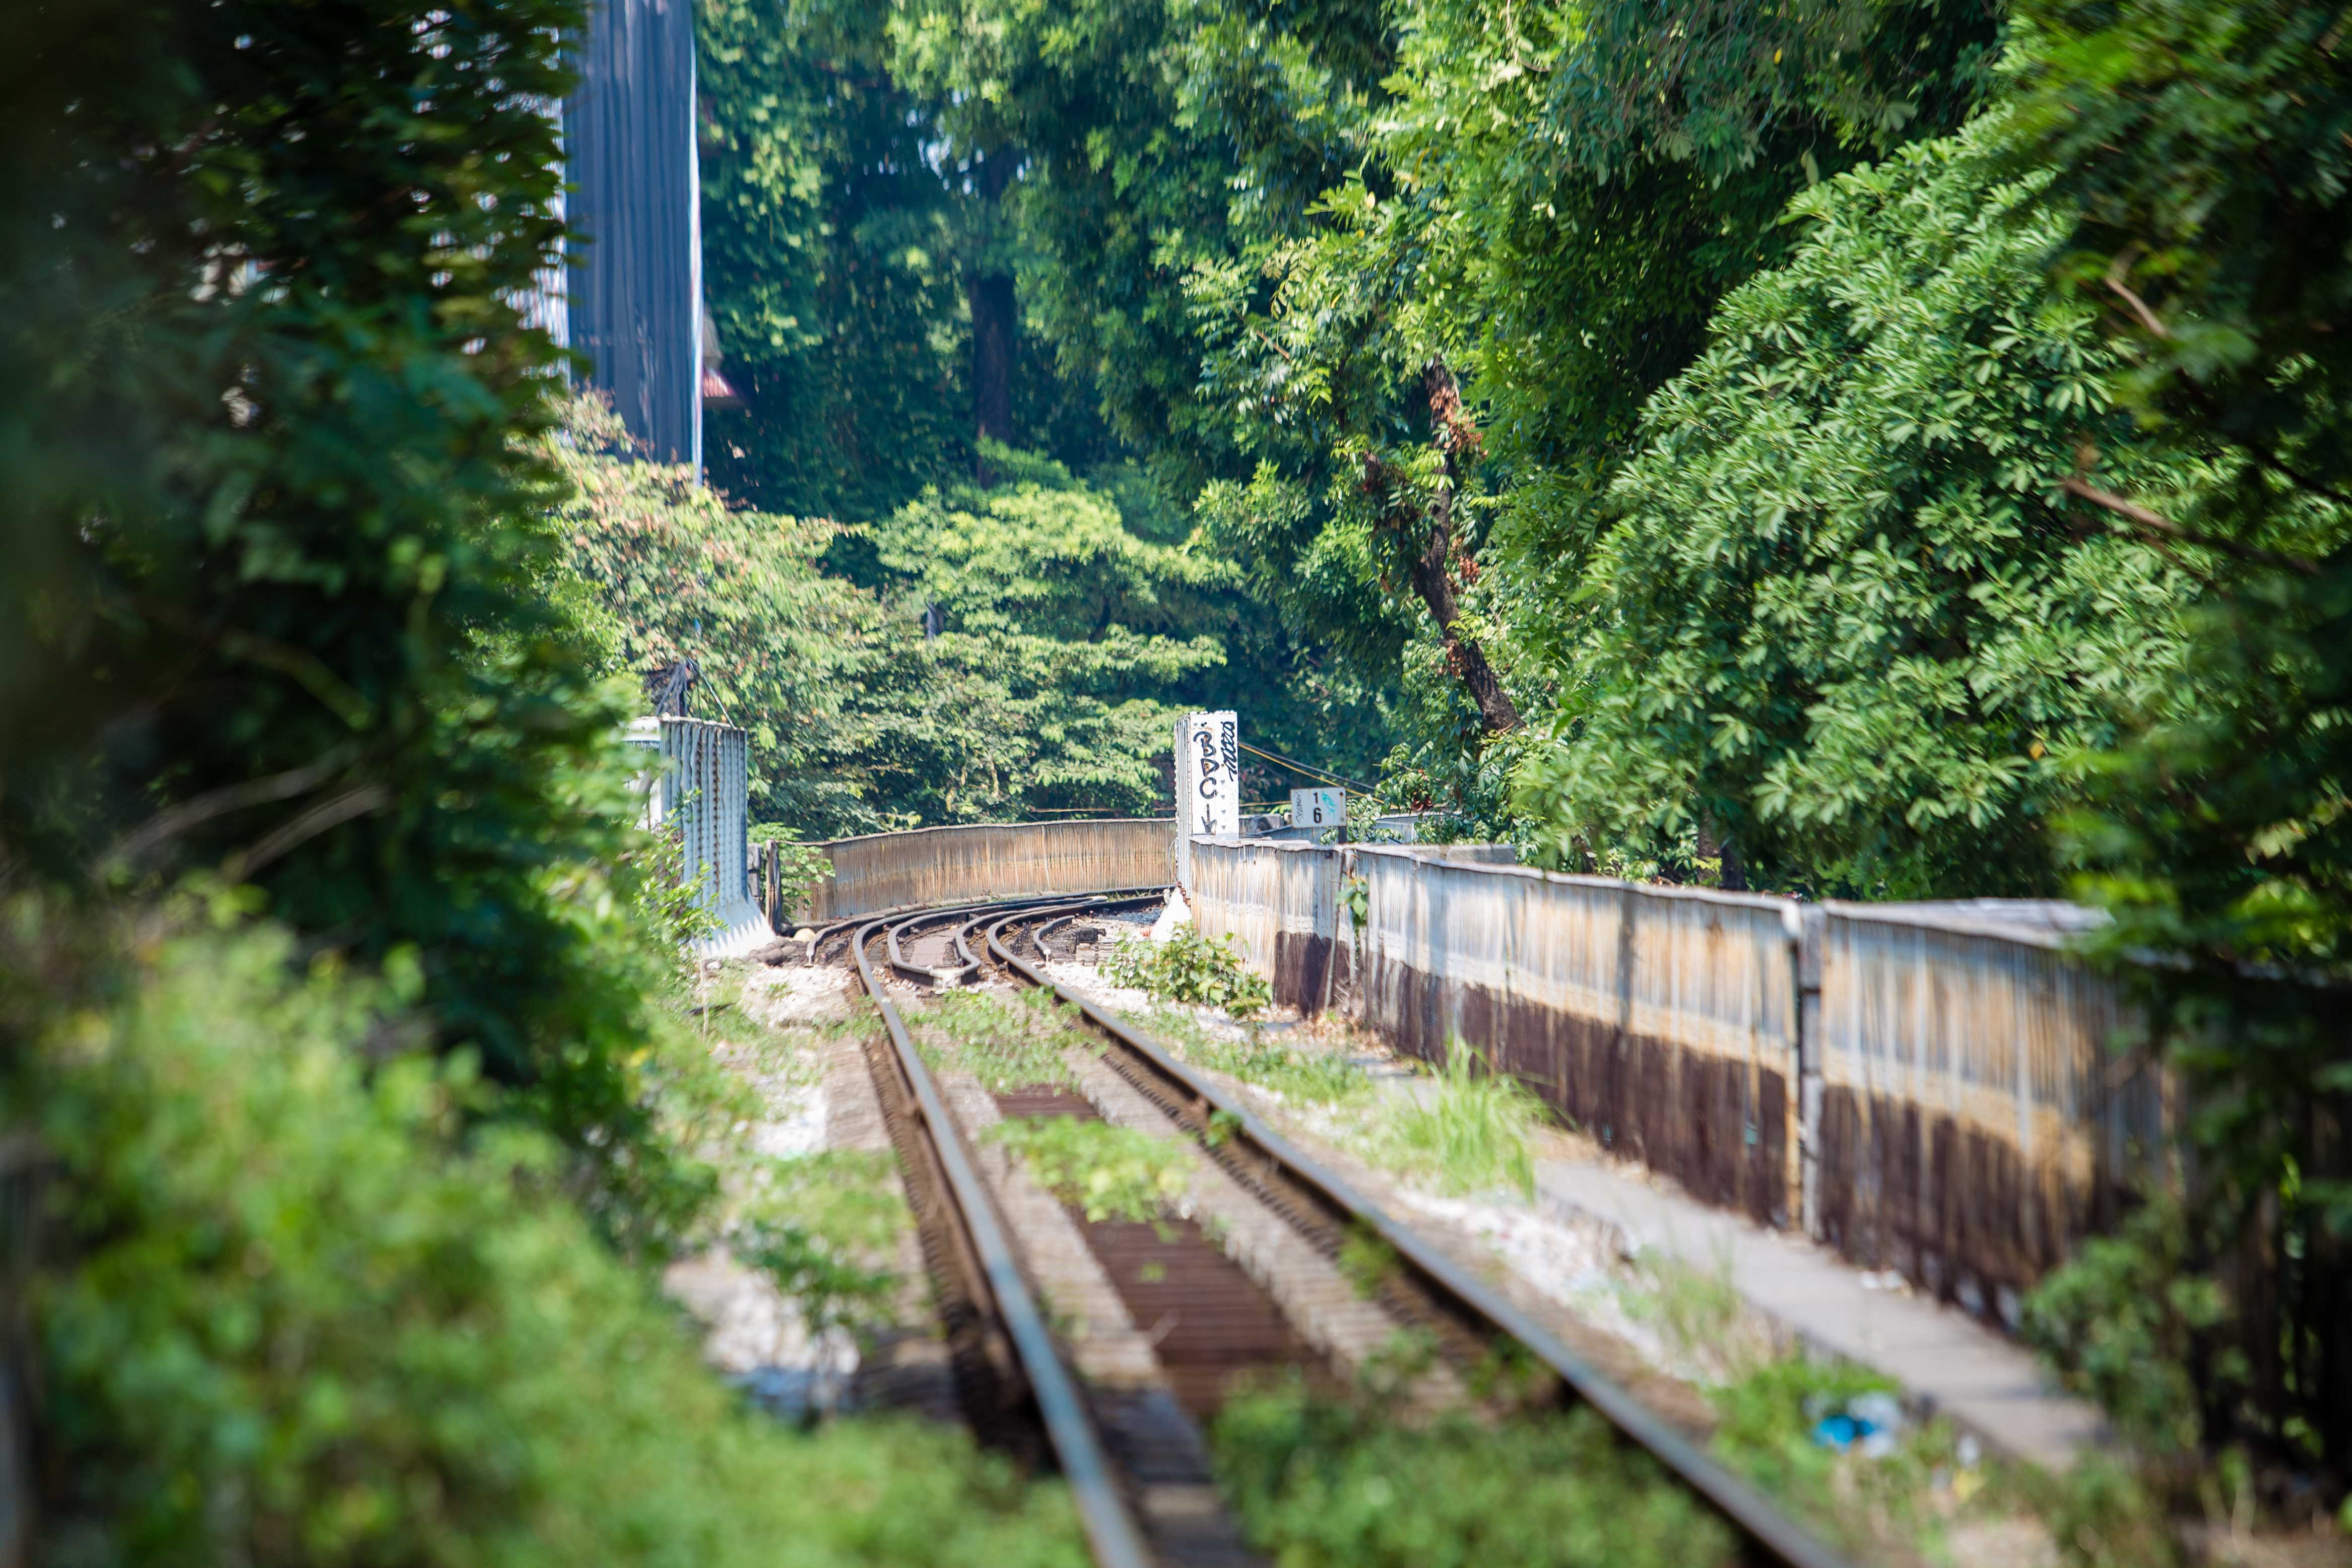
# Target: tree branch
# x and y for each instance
(2117, 271)
(172, 821)
(2155, 524)
(327, 813)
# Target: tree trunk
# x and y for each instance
(1463, 656)
(1731, 876)
(988, 291)
(990, 295)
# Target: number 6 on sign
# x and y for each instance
(1318, 807)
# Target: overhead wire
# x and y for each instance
(1312, 772)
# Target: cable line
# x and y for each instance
(1299, 767)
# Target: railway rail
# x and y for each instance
(1013, 1375)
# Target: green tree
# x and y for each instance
(829, 257)
(670, 571)
(1846, 617)
(1062, 637)
(277, 512)
(2200, 146)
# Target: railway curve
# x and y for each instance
(1016, 1378)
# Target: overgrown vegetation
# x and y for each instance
(305, 1308)
(1469, 1134)
(1104, 1172)
(1322, 1483)
(1005, 1041)
(339, 999)
(1190, 966)
(2125, 1323)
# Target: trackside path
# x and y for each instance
(1947, 1361)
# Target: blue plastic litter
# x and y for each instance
(1837, 1433)
(1869, 1425)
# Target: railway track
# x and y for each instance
(1134, 1467)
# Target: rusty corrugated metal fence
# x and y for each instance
(1930, 1089)
(1974, 1116)
(942, 865)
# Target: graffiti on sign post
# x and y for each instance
(1318, 807)
(1208, 782)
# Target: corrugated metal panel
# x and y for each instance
(704, 787)
(635, 297)
(1662, 1020)
(1280, 901)
(950, 864)
(1971, 1119)
(1976, 1114)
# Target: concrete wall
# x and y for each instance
(948, 865)
(1926, 1088)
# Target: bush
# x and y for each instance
(299, 1316)
(2121, 1323)
(1190, 967)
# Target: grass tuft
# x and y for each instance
(1310, 1078)
(1471, 1136)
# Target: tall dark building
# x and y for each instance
(635, 284)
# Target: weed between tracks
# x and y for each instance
(1005, 1041)
(1322, 1483)
(1108, 1172)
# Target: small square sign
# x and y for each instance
(1318, 807)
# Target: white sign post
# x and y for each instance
(1208, 783)
(1318, 807)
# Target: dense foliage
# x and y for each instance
(309, 1318)
(338, 1079)
(882, 290)
(2203, 150)
(1844, 615)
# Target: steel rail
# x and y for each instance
(901, 924)
(1059, 914)
(1103, 1511)
(1777, 1538)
